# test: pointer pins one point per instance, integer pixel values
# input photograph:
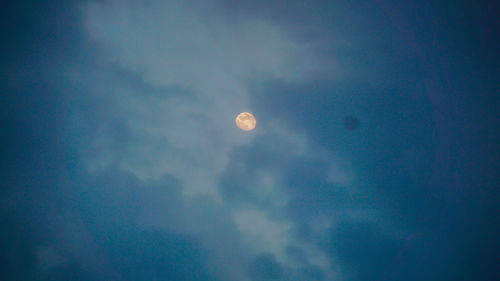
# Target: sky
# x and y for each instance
(375, 155)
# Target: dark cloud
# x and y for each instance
(140, 253)
(58, 224)
(265, 153)
(265, 267)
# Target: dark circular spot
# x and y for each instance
(351, 123)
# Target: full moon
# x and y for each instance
(246, 121)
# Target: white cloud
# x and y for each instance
(262, 233)
(169, 44)
(338, 174)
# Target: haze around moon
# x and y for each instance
(246, 121)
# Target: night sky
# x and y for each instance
(375, 156)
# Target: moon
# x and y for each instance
(246, 121)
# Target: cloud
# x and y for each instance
(169, 44)
(262, 233)
(151, 117)
(266, 268)
(188, 74)
(129, 165)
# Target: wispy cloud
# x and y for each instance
(202, 66)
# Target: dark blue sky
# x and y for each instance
(375, 155)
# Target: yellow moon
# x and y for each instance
(246, 121)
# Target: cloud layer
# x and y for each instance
(195, 71)
(121, 159)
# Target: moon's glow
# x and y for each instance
(246, 121)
